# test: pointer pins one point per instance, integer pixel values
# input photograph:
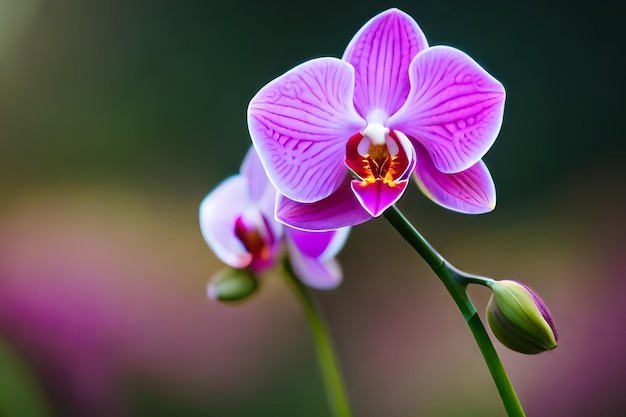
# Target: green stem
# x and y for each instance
(20, 391)
(456, 282)
(328, 364)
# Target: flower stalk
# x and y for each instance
(456, 282)
(327, 360)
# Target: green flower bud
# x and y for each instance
(231, 284)
(519, 319)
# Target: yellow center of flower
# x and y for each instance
(380, 165)
(373, 162)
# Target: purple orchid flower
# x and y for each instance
(237, 222)
(390, 107)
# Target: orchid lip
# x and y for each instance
(380, 158)
(255, 234)
(374, 160)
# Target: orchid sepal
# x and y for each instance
(312, 254)
(340, 209)
(471, 191)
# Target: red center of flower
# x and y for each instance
(257, 240)
(373, 162)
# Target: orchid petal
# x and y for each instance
(299, 124)
(218, 213)
(261, 191)
(252, 169)
(381, 53)
(454, 108)
(338, 210)
(471, 191)
(378, 196)
(322, 275)
(319, 245)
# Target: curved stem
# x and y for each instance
(456, 282)
(327, 360)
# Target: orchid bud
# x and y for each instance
(232, 284)
(519, 319)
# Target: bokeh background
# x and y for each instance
(117, 117)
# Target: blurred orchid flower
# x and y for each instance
(390, 107)
(237, 222)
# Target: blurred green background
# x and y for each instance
(117, 117)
